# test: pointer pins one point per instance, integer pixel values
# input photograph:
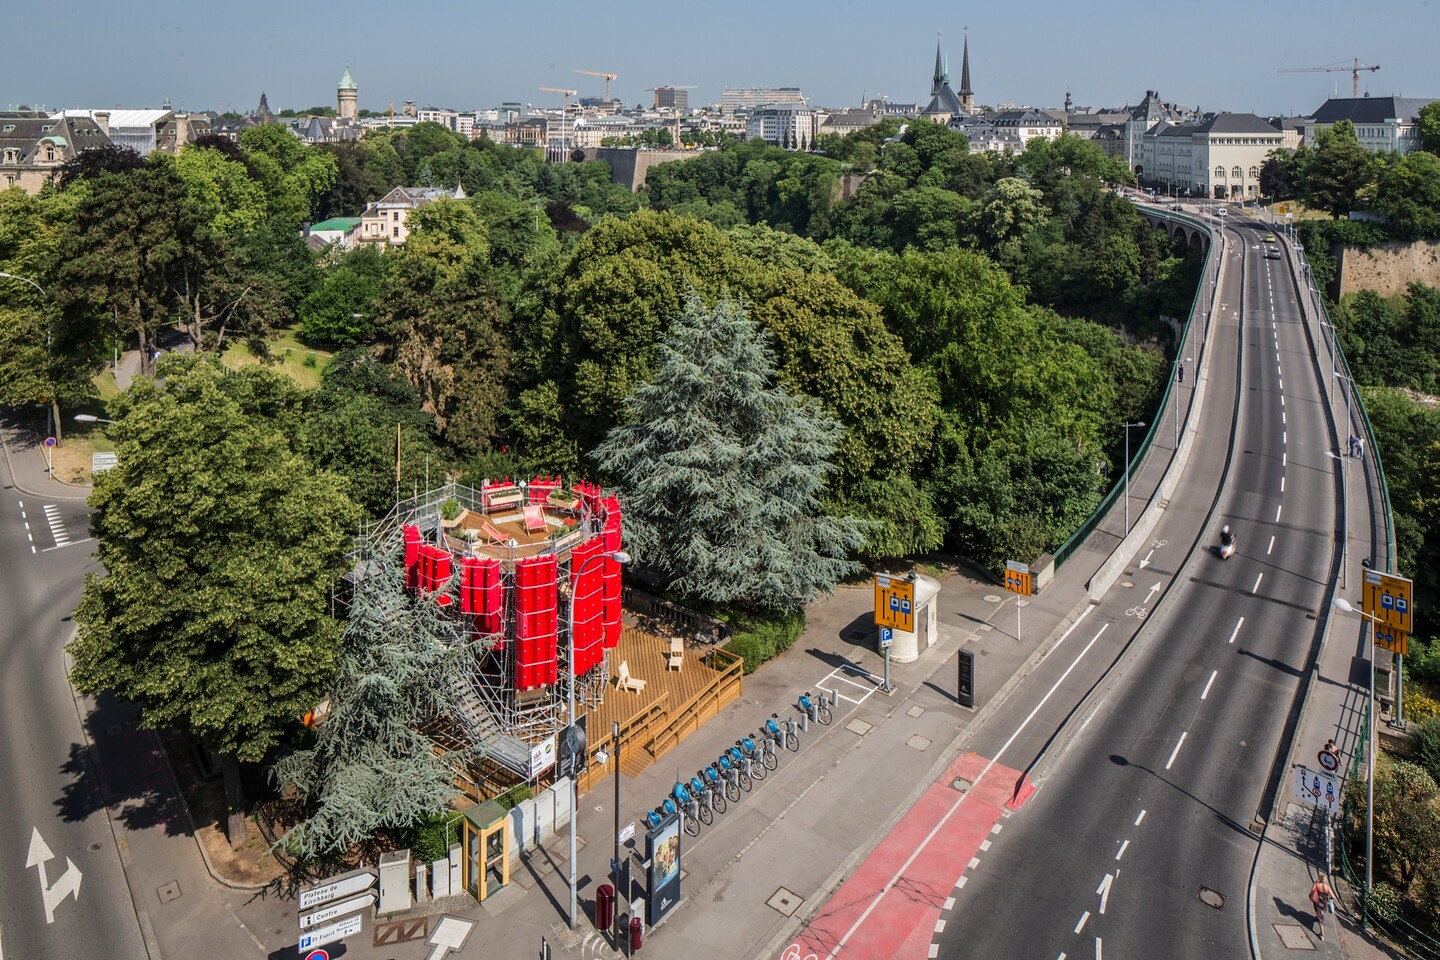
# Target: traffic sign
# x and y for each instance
(1388, 638)
(1388, 599)
(336, 931)
(1317, 788)
(627, 831)
(1018, 578)
(887, 637)
(894, 602)
(316, 955)
(339, 909)
(335, 888)
(49, 441)
(1330, 761)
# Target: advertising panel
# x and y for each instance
(662, 850)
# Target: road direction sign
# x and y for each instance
(65, 885)
(1317, 788)
(1388, 599)
(336, 931)
(894, 602)
(332, 911)
(335, 888)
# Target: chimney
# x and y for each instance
(102, 120)
(182, 130)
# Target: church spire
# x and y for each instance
(965, 90)
(939, 78)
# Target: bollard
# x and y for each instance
(604, 906)
(636, 933)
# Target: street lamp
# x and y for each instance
(91, 418)
(1342, 604)
(1128, 428)
(621, 557)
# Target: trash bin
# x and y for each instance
(604, 906)
(637, 933)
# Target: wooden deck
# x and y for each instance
(673, 704)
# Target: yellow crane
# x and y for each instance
(1353, 68)
(608, 77)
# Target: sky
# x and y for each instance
(221, 56)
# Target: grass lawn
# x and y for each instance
(303, 364)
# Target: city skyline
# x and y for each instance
(212, 62)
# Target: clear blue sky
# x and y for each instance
(210, 55)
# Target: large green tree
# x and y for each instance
(1337, 173)
(220, 544)
(722, 469)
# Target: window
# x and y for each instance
(1254, 173)
(12, 156)
(1237, 173)
(1219, 173)
(8, 128)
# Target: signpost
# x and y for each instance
(1317, 788)
(335, 888)
(895, 602)
(49, 463)
(338, 909)
(626, 832)
(887, 637)
(1018, 577)
(335, 931)
(1389, 600)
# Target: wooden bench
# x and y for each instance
(626, 682)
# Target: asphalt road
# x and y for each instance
(48, 776)
(1139, 841)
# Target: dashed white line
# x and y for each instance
(1140, 818)
(974, 862)
(934, 950)
(1081, 925)
(1126, 843)
(1173, 754)
(1284, 459)
(1236, 632)
(984, 845)
(1258, 578)
(1277, 511)
(1282, 484)
(1097, 949)
(949, 903)
(1206, 692)
(940, 925)
(1282, 416)
(1271, 547)
(1284, 438)
(960, 884)
(1104, 891)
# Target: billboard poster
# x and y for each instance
(662, 849)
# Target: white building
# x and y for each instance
(1218, 157)
(785, 125)
(384, 221)
(1381, 123)
(746, 97)
(1007, 129)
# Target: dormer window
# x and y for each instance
(47, 128)
(12, 156)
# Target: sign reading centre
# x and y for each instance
(895, 602)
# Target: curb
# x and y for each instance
(15, 480)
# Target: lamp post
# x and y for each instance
(91, 418)
(615, 749)
(1342, 604)
(1128, 427)
(619, 556)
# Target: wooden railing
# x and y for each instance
(718, 694)
(634, 731)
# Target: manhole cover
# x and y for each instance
(94, 847)
(1293, 936)
(961, 784)
(170, 891)
(785, 902)
(916, 711)
(1127, 584)
(1210, 898)
(918, 742)
(858, 726)
(992, 598)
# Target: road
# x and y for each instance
(1140, 838)
(49, 771)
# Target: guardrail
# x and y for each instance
(1169, 397)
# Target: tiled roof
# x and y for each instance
(1236, 123)
(1369, 109)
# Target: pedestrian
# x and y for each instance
(1350, 446)
(1360, 448)
(1182, 373)
(1333, 751)
(1321, 896)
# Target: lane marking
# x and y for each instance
(1271, 547)
(1081, 925)
(1206, 691)
(940, 925)
(989, 764)
(974, 862)
(949, 903)
(72, 543)
(1284, 438)
(1173, 754)
(1282, 484)
(1284, 459)
(1277, 511)
(1282, 416)
(1140, 818)
(1097, 948)
(1104, 891)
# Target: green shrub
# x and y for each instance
(1385, 901)
(427, 839)
(515, 796)
(1419, 707)
(450, 509)
(762, 637)
(1425, 739)
(309, 360)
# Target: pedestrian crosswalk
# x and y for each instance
(57, 525)
(54, 519)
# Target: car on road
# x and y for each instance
(1272, 252)
(1269, 238)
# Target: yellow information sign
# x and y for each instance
(1388, 638)
(895, 602)
(1387, 600)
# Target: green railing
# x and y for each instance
(1171, 395)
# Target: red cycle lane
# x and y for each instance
(888, 907)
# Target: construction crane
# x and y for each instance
(564, 109)
(1353, 68)
(608, 77)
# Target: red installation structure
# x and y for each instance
(513, 589)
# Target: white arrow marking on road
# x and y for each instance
(1153, 590)
(1146, 562)
(1104, 891)
(66, 885)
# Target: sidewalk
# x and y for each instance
(20, 446)
(1293, 849)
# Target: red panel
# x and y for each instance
(412, 556)
(586, 582)
(426, 565)
(537, 594)
(470, 585)
(610, 615)
(442, 566)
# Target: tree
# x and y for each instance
(1429, 124)
(93, 162)
(341, 310)
(371, 767)
(1408, 193)
(1337, 172)
(721, 469)
(295, 176)
(220, 544)
(1277, 176)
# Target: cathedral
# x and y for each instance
(945, 104)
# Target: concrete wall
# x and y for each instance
(1387, 268)
(628, 166)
